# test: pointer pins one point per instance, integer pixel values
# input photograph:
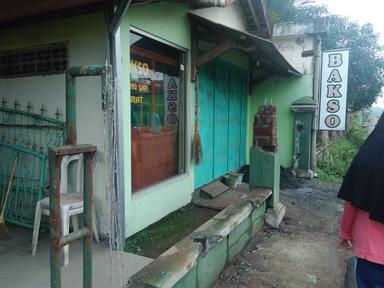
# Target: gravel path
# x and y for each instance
(302, 252)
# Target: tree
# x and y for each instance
(366, 66)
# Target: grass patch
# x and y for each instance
(160, 236)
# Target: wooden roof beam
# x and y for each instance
(214, 52)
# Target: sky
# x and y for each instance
(367, 11)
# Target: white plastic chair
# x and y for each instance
(71, 204)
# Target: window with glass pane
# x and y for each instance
(157, 111)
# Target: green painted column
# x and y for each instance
(303, 109)
(264, 156)
(264, 163)
(302, 138)
(264, 171)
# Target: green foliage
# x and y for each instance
(341, 154)
(356, 135)
(366, 68)
(279, 8)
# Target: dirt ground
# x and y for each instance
(302, 252)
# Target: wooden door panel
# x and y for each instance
(234, 121)
(204, 171)
(221, 120)
(223, 103)
(244, 118)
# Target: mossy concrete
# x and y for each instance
(198, 259)
(168, 231)
(257, 218)
(189, 280)
(238, 238)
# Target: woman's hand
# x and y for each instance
(346, 244)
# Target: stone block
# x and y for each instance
(274, 216)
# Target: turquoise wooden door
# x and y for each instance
(223, 106)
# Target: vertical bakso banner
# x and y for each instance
(333, 94)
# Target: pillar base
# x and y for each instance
(301, 173)
(274, 216)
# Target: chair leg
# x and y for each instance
(65, 231)
(36, 228)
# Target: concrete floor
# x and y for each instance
(18, 268)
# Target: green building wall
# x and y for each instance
(150, 205)
(282, 92)
(85, 35)
(170, 22)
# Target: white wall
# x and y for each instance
(291, 40)
(230, 16)
(86, 45)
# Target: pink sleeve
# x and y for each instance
(347, 221)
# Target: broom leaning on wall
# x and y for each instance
(4, 233)
(197, 149)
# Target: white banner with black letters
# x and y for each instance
(333, 93)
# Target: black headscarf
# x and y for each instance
(363, 184)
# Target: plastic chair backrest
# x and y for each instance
(79, 173)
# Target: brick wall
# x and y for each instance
(264, 128)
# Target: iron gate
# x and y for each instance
(26, 136)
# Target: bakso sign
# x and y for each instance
(333, 94)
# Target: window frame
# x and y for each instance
(183, 160)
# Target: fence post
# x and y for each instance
(55, 219)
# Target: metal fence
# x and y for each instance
(26, 136)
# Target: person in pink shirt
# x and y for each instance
(362, 222)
